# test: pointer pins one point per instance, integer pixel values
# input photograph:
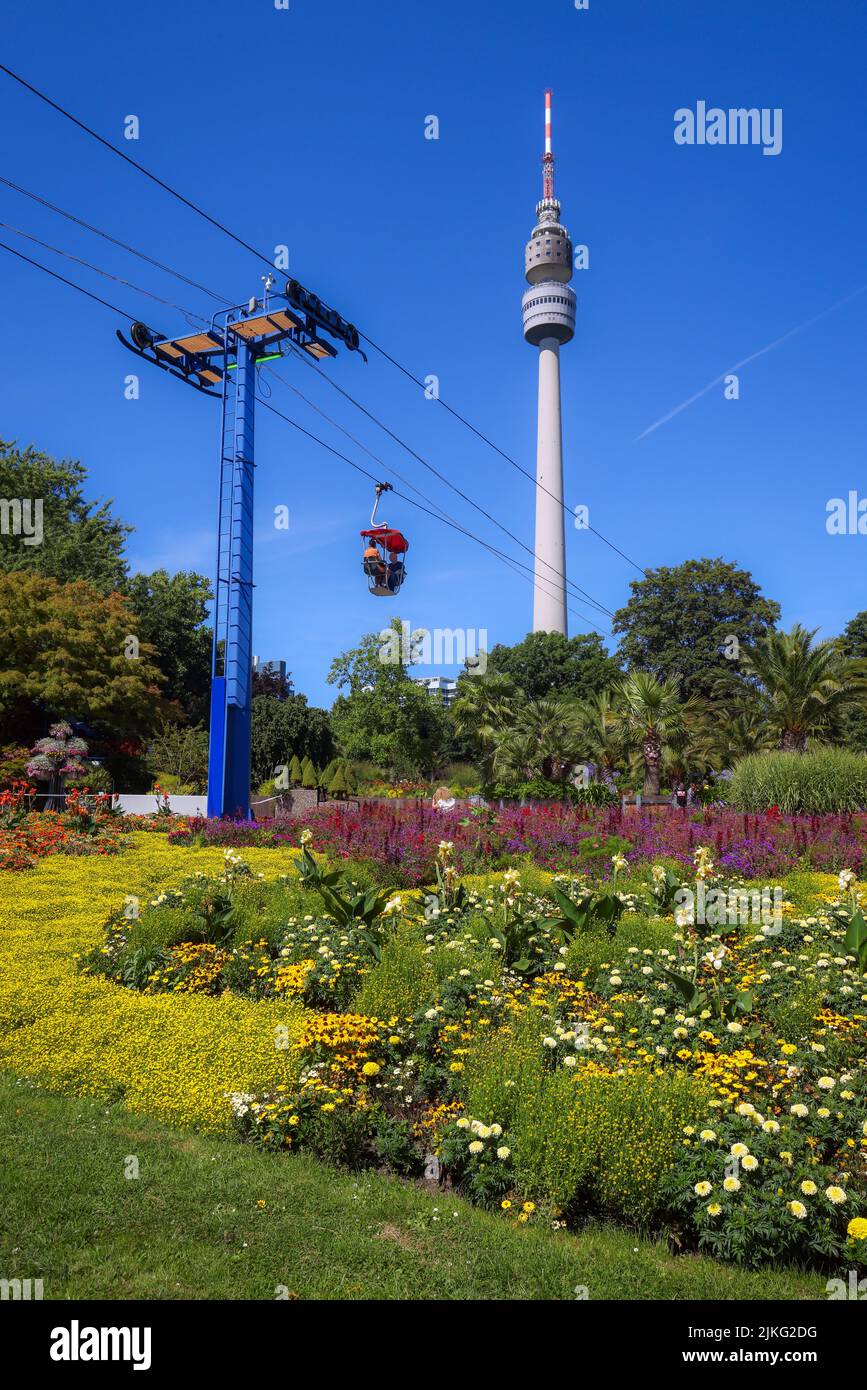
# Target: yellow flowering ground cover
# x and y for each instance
(172, 1057)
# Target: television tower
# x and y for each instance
(548, 308)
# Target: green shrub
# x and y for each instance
(401, 983)
(296, 772)
(819, 783)
(581, 1142)
(308, 775)
(588, 951)
(604, 1143)
(505, 1071)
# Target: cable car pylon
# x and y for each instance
(221, 361)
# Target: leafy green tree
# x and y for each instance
(182, 752)
(172, 612)
(81, 539)
(804, 686)
(689, 623)
(65, 652)
(548, 663)
(385, 717)
(309, 779)
(650, 714)
(285, 730)
(295, 773)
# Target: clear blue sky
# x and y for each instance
(306, 127)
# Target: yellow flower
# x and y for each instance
(371, 1069)
(798, 1210)
(809, 1188)
(732, 1185)
(857, 1228)
(529, 1206)
(506, 1204)
(835, 1195)
(703, 1189)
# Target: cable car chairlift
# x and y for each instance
(384, 552)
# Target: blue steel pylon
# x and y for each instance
(232, 653)
(226, 355)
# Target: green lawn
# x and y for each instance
(189, 1226)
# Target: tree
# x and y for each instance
(80, 539)
(484, 707)
(601, 739)
(171, 612)
(651, 716)
(548, 663)
(804, 687)
(541, 744)
(852, 722)
(295, 773)
(65, 652)
(182, 753)
(308, 775)
(688, 624)
(286, 727)
(270, 683)
(385, 717)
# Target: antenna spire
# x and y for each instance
(548, 157)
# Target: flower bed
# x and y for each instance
(85, 826)
(171, 1057)
(403, 839)
(554, 1047)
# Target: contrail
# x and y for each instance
(769, 347)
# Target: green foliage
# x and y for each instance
(309, 779)
(816, 783)
(384, 716)
(401, 982)
(612, 1148)
(181, 754)
(804, 687)
(794, 1015)
(84, 541)
(286, 730)
(172, 611)
(63, 649)
(548, 663)
(678, 620)
(590, 912)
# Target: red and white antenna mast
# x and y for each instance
(548, 157)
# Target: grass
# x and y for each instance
(191, 1227)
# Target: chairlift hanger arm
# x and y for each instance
(151, 356)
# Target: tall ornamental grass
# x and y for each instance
(813, 784)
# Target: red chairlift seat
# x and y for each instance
(386, 572)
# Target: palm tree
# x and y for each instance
(542, 741)
(484, 708)
(652, 716)
(723, 733)
(802, 686)
(601, 738)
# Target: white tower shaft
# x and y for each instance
(549, 594)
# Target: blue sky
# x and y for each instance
(305, 127)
